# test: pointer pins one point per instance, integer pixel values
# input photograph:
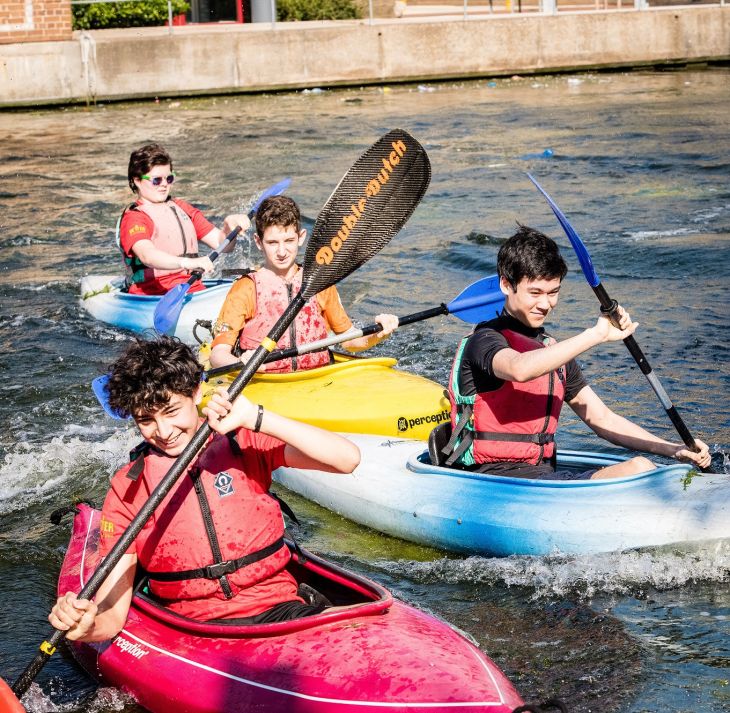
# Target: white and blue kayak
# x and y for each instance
(103, 299)
(397, 491)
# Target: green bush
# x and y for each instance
(141, 13)
(287, 10)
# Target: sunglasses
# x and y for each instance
(157, 180)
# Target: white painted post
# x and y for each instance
(549, 7)
(169, 15)
(370, 10)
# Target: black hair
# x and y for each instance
(143, 159)
(150, 373)
(531, 254)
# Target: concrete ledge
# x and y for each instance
(144, 62)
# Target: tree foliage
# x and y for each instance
(142, 13)
(287, 10)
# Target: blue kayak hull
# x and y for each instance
(397, 491)
(102, 298)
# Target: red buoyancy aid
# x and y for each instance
(246, 521)
(174, 234)
(273, 296)
(516, 422)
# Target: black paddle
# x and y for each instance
(370, 205)
(480, 301)
(610, 308)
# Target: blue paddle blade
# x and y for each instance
(98, 386)
(276, 190)
(169, 307)
(481, 301)
(580, 250)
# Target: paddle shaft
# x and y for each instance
(213, 255)
(320, 344)
(610, 307)
(180, 466)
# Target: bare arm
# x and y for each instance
(307, 446)
(102, 619)
(620, 431)
(154, 257)
(222, 355)
(215, 237)
(511, 365)
(389, 323)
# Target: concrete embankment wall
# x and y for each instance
(144, 62)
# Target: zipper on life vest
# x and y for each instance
(547, 415)
(292, 326)
(182, 230)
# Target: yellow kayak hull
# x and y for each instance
(353, 395)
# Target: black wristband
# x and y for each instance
(259, 418)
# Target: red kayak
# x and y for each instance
(377, 654)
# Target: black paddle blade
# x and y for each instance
(370, 205)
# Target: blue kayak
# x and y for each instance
(397, 491)
(102, 298)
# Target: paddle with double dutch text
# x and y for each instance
(610, 307)
(171, 303)
(480, 301)
(370, 205)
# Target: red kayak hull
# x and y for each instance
(377, 654)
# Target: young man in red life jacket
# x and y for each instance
(214, 548)
(255, 302)
(158, 234)
(510, 379)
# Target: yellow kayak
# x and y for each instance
(353, 395)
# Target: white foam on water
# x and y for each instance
(32, 472)
(646, 234)
(104, 700)
(585, 575)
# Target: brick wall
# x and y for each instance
(34, 20)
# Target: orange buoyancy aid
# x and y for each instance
(174, 234)
(515, 423)
(206, 540)
(273, 296)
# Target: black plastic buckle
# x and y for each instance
(544, 438)
(219, 569)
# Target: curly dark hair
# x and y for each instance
(149, 373)
(141, 160)
(531, 254)
(277, 210)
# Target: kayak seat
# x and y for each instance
(437, 440)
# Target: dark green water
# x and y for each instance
(640, 165)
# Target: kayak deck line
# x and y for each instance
(395, 490)
(369, 653)
(354, 394)
(420, 463)
(320, 699)
(102, 297)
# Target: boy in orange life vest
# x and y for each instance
(255, 302)
(158, 235)
(510, 379)
(220, 505)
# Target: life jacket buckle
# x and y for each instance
(219, 569)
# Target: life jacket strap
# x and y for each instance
(219, 569)
(540, 439)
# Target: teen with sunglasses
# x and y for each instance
(158, 235)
